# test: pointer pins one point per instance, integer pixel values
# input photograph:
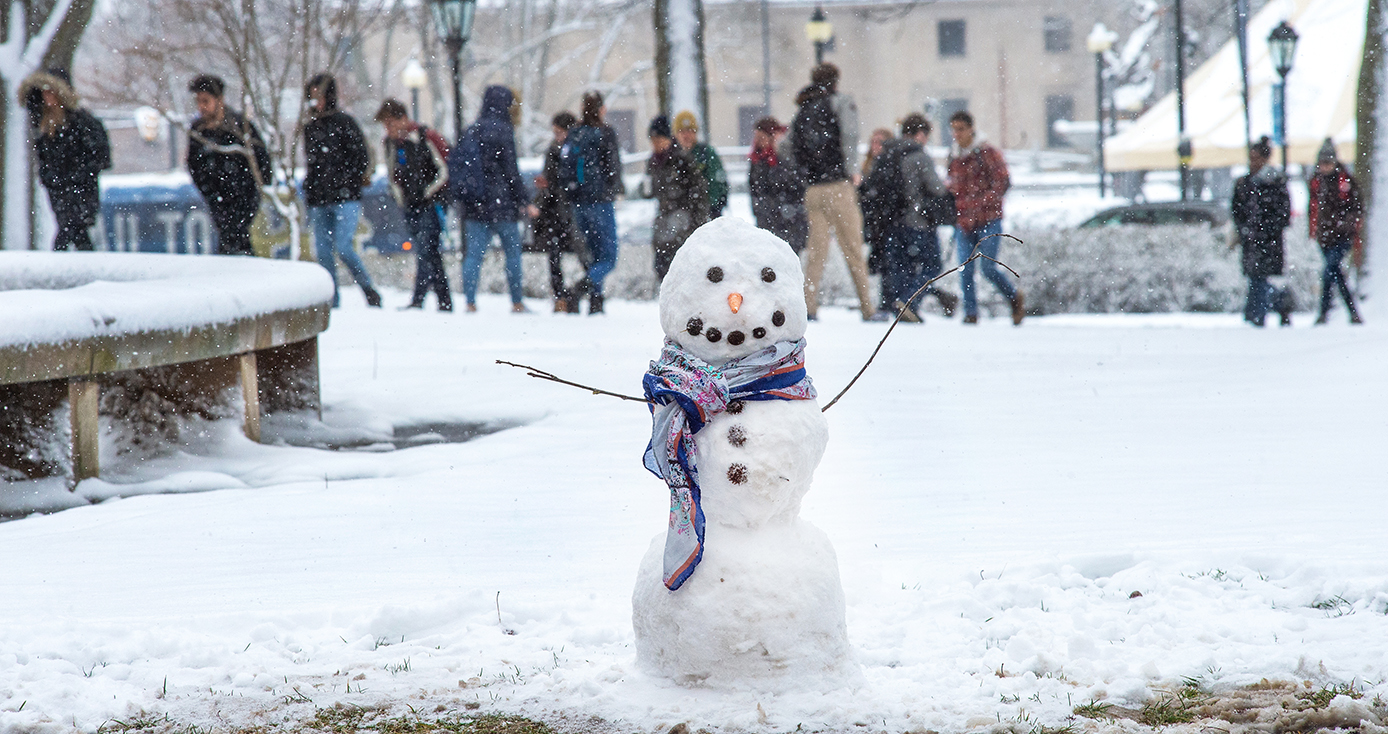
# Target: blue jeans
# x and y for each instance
(598, 223)
(333, 228)
(423, 222)
(1259, 301)
(912, 257)
(479, 238)
(1333, 276)
(983, 239)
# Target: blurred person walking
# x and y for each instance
(824, 139)
(1261, 209)
(706, 161)
(229, 164)
(591, 175)
(416, 164)
(552, 222)
(978, 179)
(338, 167)
(486, 181)
(778, 194)
(72, 150)
(680, 191)
(1336, 214)
(876, 226)
(913, 203)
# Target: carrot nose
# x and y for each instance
(734, 301)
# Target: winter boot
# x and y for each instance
(1323, 319)
(970, 320)
(595, 304)
(1019, 311)
(907, 314)
(948, 302)
(373, 296)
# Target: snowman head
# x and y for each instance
(731, 290)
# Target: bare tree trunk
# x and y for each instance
(1371, 70)
(681, 75)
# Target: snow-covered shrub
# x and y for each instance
(146, 411)
(1137, 269)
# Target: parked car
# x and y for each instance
(1205, 213)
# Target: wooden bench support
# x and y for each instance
(250, 395)
(83, 395)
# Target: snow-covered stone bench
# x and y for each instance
(67, 319)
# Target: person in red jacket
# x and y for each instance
(1336, 216)
(978, 179)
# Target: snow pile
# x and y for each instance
(764, 606)
(60, 297)
(1137, 269)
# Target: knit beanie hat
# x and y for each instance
(1327, 152)
(685, 120)
(660, 127)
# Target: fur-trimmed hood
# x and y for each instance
(50, 80)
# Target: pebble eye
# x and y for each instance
(713, 335)
(694, 326)
(715, 274)
(778, 319)
(768, 275)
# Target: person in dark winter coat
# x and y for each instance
(875, 226)
(496, 206)
(416, 158)
(552, 222)
(338, 167)
(909, 184)
(1336, 210)
(778, 194)
(706, 159)
(824, 138)
(978, 179)
(229, 164)
(681, 193)
(1261, 209)
(591, 175)
(72, 149)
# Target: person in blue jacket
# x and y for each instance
(488, 186)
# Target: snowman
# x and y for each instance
(739, 589)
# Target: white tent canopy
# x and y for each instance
(1321, 90)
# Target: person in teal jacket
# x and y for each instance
(705, 159)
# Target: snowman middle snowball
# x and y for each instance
(764, 601)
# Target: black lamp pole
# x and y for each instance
(1282, 47)
(1099, 113)
(1183, 147)
(454, 21)
(820, 32)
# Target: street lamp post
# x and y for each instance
(820, 32)
(1183, 146)
(1100, 40)
(414, 79)
(453, 19)
(766, 57)
(1282, 47)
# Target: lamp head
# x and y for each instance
(819, 30)
(1282, 46)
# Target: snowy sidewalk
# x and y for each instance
(995, 495)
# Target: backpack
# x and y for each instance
(818, 141)
(581, 165)
(466, 179)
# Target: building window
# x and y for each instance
(623, 122)
(951, 37)
(747, 116)
(1058, 34)
(947, 108)
(1058, 107)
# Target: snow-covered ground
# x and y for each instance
(996, 497)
